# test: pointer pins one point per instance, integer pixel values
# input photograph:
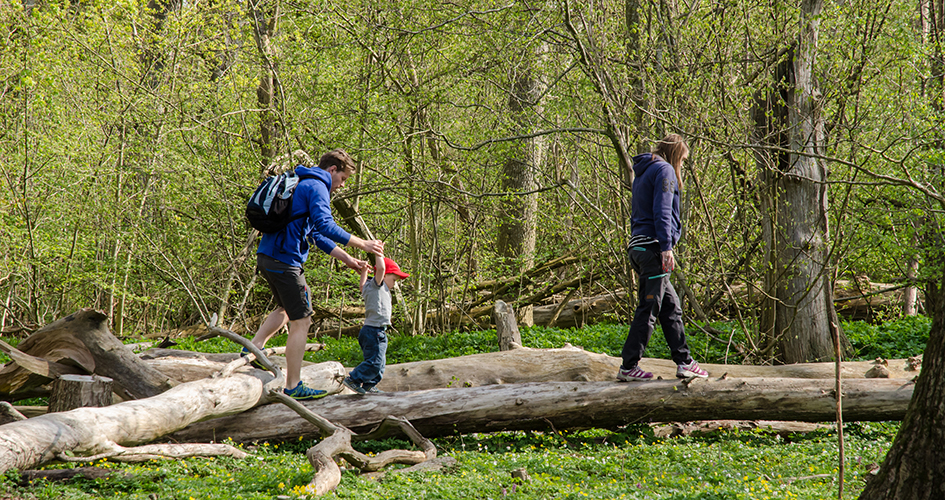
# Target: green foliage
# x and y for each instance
(627, 463)
(896, 339)
(630, 462)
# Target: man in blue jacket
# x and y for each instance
(281, 255)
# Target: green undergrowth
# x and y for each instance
(599, 464)
(630, 462)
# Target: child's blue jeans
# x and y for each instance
(373, 341)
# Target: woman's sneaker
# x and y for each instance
(302, 393)
(635, 374)
(691, 369)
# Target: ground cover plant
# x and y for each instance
(630, 462)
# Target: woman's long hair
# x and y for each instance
(673, 149)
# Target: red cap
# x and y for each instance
(391, 267)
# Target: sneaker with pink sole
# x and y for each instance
(635, 374)
(691, 369)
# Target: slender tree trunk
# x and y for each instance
(264, 20)
(910, 296)
(517, 231)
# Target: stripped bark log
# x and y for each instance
(518, 366)
(781, 428)
(564, 405)
(95, 431)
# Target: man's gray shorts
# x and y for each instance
(288, 286)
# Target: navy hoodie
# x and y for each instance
(655, 209)
(292, 243)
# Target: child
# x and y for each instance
(377, 310)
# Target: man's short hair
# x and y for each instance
(339, 158)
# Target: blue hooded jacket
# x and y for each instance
(655, 207)
(291, 245)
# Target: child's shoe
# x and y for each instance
(374, 390)
(691, 369)
(354, 386)
(302, 393)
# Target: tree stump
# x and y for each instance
(506, 326)
(78, 391)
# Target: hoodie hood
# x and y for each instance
(641, 162)
(321, 175)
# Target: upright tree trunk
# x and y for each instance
(914, 468)
(798, 314)
(264, 20)
(517, 231)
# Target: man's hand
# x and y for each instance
(373, 246)
(357, 264)
(669, 263)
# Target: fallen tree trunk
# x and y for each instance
(104, 432)
(564, 405)
(92, 431)
(522, 365)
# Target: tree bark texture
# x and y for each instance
(517, 232)
(506, 326)
(914, 468)
(78, 391)
(797, 315)
(569, 405)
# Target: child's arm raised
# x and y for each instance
(364, 273)
(380, 269)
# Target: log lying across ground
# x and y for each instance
(519, 366)
(569, 405)
(107, 431)
(90, 431)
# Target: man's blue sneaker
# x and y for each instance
(354, 386)
(302, 393)
(254, 363)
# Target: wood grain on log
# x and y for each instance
(562, 405)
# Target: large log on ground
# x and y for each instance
(520, 366)
(568, 405)
(87, 431)
(571, 364)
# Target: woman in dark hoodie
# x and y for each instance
(655, 230)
